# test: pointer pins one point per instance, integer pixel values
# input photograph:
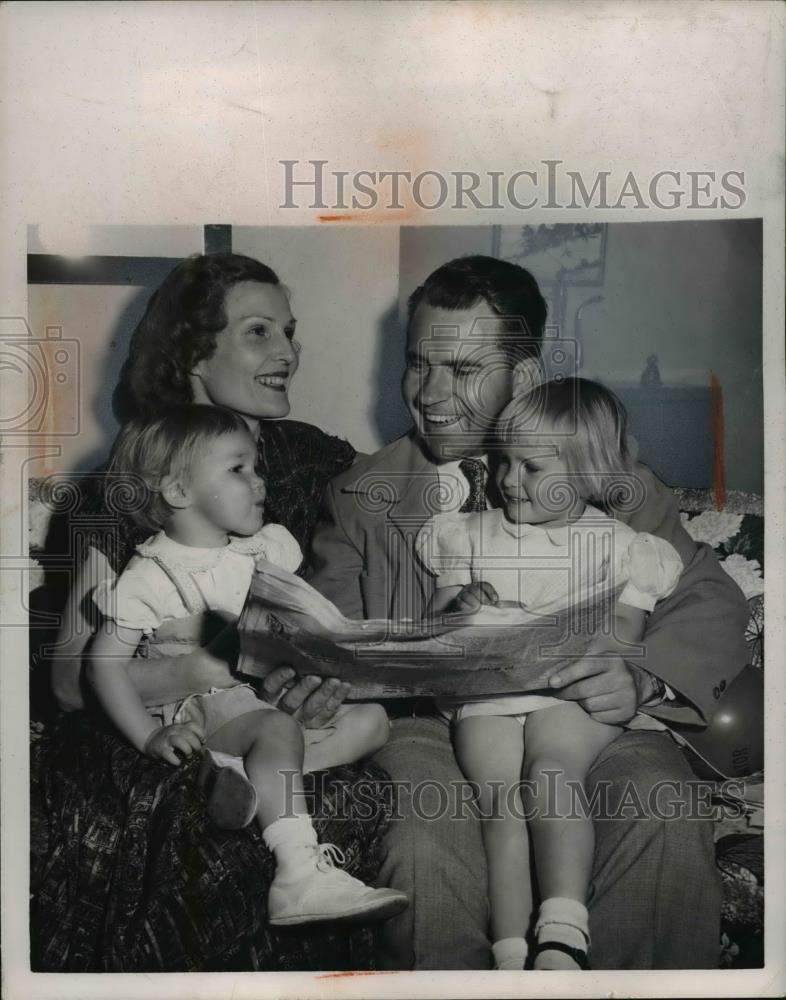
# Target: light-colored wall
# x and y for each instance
(98, 321)
(690, 292)
(115, 241)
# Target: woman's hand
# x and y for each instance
(312, 700)
(472, 597)
(163, 742)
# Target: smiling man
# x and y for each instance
(475, 328)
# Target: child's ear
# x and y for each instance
(527, 374)
(174, 491)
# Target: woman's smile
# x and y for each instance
(276, 380)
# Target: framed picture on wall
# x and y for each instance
(561, 256)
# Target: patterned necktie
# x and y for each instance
(475, 474)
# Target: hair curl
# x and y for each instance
(179, 329)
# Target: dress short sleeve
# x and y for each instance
(652, 568)
(444, 547)
(274, 544)
(132, 600)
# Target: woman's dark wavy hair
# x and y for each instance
(509, 290)
(179, 330)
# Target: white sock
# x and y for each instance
(509, 953)
(564, 920)
(291, 840)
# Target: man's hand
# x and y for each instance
(607, 688)
(312, 700)
(471, 598)
(163, 743)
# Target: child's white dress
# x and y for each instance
(169, 590)
(545, 569)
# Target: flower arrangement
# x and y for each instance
(712, 526)
(746, 573)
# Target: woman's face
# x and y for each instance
(255, 356)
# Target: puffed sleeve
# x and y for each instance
(276, 545)
(132, 600)
(652, 568)
(443, 546)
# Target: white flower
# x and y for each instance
(746, 573)
(712, 526)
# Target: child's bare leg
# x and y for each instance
(354, 732)
(271, 745)
(307, 886)
(561, 742)
(490, 752)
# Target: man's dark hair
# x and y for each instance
(510, 292)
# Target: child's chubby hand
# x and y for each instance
(166, 742)
(472, 597)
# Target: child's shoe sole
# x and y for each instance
(231, 798)
(389, 904)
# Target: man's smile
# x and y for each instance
(440, 419)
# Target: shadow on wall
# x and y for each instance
(389, 416)
(108, 410)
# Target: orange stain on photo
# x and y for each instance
(397, 216)
(346, 975)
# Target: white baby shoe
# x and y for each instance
(320, 891)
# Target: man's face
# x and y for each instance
(458, 378)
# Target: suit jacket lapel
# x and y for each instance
(415, 490)
(409, 479)
(415, 504)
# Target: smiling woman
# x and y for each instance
(218, 330)
(256, 356)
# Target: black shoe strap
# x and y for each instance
(578, 955)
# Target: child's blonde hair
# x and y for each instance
(590, 424)
(148, 451)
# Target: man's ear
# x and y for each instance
(175, 492)
(527, 374)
